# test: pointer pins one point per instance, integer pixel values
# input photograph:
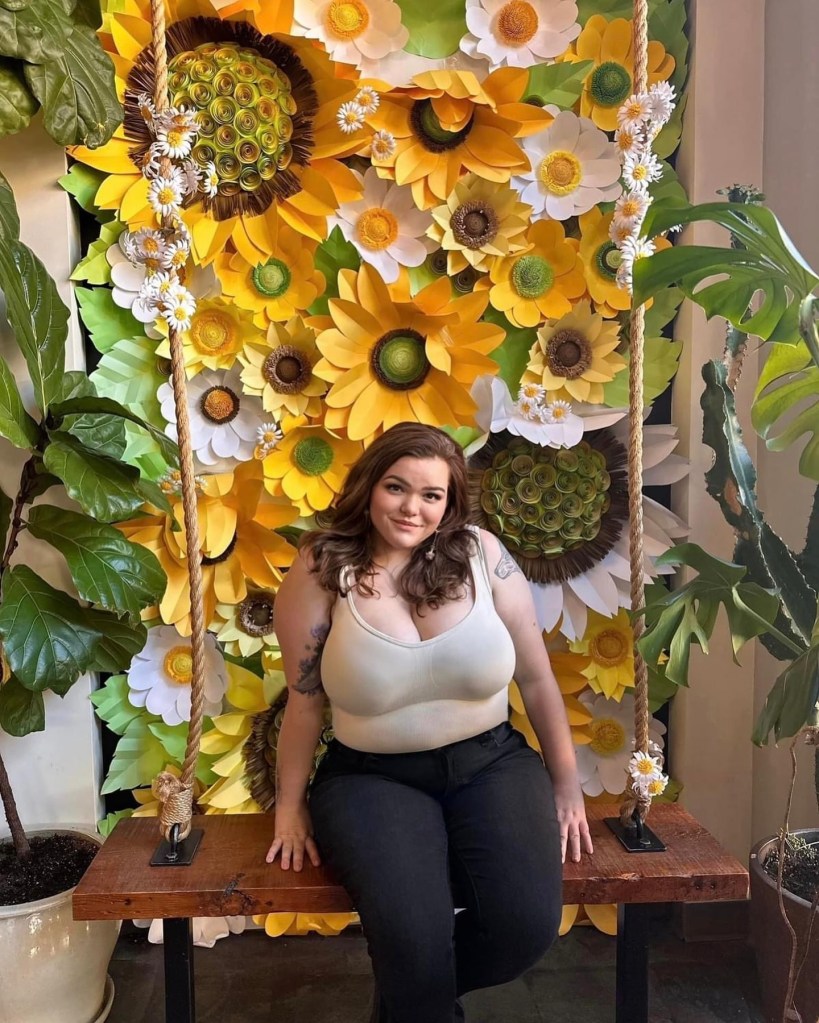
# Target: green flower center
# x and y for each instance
(610, 84)
(607, 260)
(271, 279)
(429, 130)
(313, 456)
(532, 276)
(399, 360)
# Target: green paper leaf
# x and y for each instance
(47, 637)
(106, 322)
(786, 403)
(669, 138)
(83, 183)
(104, 489)
(128, 373)
(112, 704)
(107, 406)
(37, 316)
(433, 32)
(77, 90)
(334, 254)
(107, 569)
(560, 84)
(662, 357)
(21, 710)
(791, 702)
(138, 759)
(94, 267)
(609, 8)
(766, 268)
(668, 188)
(667, 24)
(174, 739)
(9, 220)
(17, 105)
(513, 355)
(110, 821)
(663, 310)
(16, 424)
(119, 642)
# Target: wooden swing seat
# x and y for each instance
(229, 877)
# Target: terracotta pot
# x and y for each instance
(53, 969)
(772, 942)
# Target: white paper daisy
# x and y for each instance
(385, 226)
(159, 678)
(574, 167)
(517, 33)
(602, 764)
(224, 421)
(359, 32)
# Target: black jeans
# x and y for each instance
(412, 836)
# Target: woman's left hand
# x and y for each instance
(571, 815)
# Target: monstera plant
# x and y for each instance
(763, 288)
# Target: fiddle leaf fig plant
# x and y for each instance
(73, 440)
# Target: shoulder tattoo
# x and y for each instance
(506, 565)
(309, 677)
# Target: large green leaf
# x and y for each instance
(513, 355)
(138, 759)
(791, 703)
(120, 640)
(112, 704)
(560, 84)
(107, 323)
(83, 183)
(786, 403)
(77, 91)
(21, 710)
(9, 220)
(36, 31)
(334, 254)
(104, 489)
(128, 373)
(37, 316)
(16, 424)
(662, 357)
(47, 637)
(107, 569)
(103, 434)
(433, 32)
(17, 105)
(809, 556)
(767, 267)
(109, 407)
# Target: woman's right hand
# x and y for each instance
(293, 836)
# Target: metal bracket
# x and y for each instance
(174, 853)
(635, 837)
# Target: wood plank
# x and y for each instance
(230, 877)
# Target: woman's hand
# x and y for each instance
(571, 815)
(293, 833)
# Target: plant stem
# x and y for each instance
(27, 478)
(18, 835)
(770, 628)
(808, 315)
(788, 1008)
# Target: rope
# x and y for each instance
(632, 798)
(176, 794)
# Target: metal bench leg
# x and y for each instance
(632, 962)
(179, 984)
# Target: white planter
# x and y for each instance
(53, 969)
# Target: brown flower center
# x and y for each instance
(219, 405)
(255, 615)
(286, 369)
(568, 353)
(474, 224)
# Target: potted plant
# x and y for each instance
(763, 287)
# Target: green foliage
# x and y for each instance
(91, 404)
(666, 24)
(792, 701)
(110, 821)
(107, 323)
(662, 355)
(17, 105)
(433, 32)
(94, 267)
(21, 710)
(16, 424)
(513, 355)
(560, 84)
(334, 254)
(83, 183)
(174, 739)
(139, 757)
(9, 221)
(112, 704)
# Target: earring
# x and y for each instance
(430, 554)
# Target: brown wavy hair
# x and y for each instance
(348, 538)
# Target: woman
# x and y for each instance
(412, 623)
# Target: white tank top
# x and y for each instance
(393, 696)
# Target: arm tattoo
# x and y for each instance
(309, 679)
(507, 565)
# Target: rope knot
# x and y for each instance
(176, 801)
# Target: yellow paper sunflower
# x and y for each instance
(574, 356)
(609, 645)
(267, 119)
(393, 358)
(541, 282)
(217, 334)
(447, 123)
(601, 260)
(481, 221)
(237, 523)
(286, 283)
(568, 670)
(246, 628)
(309, 465)
(610, 45)
(281, 369)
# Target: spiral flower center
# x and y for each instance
(516, 23)
(532, 276)
(568, 353)
(474, 224)
(608, 648)
(610, 84)
(608, 736)
(178, 665)
(430, 132)
(377, 228)
(271, 279)
(212, 331)
(286, 370)
(607, 260)
(346, 19)
(561, 172)
(255, 615)
(313, 456)
(219, 405)
(399, 359)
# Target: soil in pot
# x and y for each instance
(800, 873)
(56, 864)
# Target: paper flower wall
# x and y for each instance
(381, 216)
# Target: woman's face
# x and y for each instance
(409, 501)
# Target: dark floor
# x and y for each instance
(251, 978)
